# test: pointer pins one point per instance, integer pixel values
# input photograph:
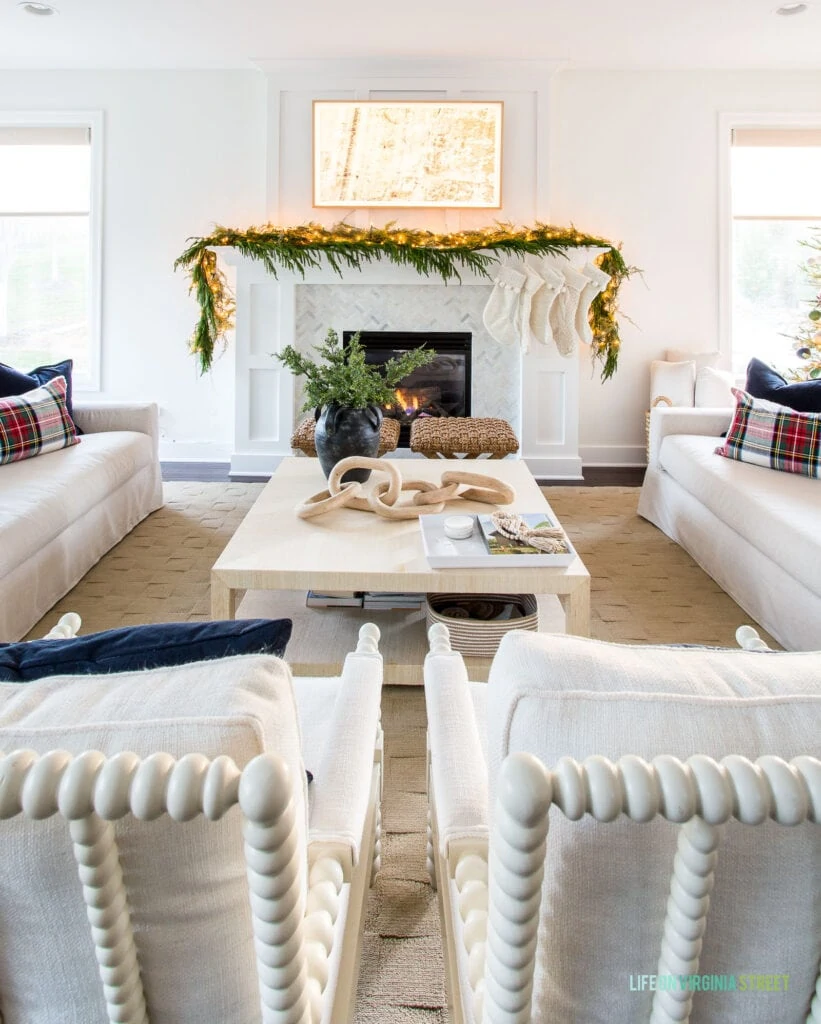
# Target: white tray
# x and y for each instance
(471, 553)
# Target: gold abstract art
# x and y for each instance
(407, 154)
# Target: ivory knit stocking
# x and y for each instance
(501, 314)
(542, 302)
(533, 287)
(596, 283)
(563, 311)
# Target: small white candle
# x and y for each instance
(458, 527)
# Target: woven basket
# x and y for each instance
(480, 638)
(660, 400)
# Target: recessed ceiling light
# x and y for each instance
(36, 7)
(787, 9)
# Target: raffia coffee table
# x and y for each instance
(274, 551)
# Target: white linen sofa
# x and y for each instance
(754, 530)
(61, 512)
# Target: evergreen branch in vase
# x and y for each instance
(341, 376)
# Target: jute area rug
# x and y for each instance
(645, 589)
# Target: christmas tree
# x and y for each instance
(808, 338)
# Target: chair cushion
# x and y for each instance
(136, 648)
(607, 884)
(36, 423)
(765, 382)
(478, 695)
(186, 883)
(774, 437)
(40, 497)
(315, 698)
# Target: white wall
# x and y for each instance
(635, 158)
(182, 150)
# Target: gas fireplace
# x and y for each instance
(442, 388)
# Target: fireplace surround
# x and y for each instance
(536, 392)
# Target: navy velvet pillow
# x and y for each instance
(140, 647)
(13, 382)
(765, 382)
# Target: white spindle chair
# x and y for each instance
(491, 868)
(306, 930)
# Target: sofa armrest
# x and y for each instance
(141, 417)
(340, 804)
(458, 772)
(682, 420)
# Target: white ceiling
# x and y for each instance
(235, 33)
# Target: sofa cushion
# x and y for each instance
(765, 382)
(40, 497)
(186, 882)
(714, 388)
(701, 359)
(773, 436)
(13, 382)
(135, 648)
(35, 423)
(778, 513)
(607, 885)
(675, 381)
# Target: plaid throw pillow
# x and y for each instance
(35, 423)
(770, 435)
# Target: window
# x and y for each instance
(49, 242)
(775, 204)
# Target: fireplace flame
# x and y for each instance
(406, 401)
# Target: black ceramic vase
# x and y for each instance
(341, 432)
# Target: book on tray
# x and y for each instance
(333, 599)
(498, 544)
(387, 601)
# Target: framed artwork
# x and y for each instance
(399, 153)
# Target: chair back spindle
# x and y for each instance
(90, 791)
(702, 794)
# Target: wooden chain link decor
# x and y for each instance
(383, 497)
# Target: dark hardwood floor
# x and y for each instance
(594, 476)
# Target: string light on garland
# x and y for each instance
(301, 248)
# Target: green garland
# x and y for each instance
(344, 247)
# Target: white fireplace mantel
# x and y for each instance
(537, 391)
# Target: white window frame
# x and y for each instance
(726, 123)
(92, 119)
